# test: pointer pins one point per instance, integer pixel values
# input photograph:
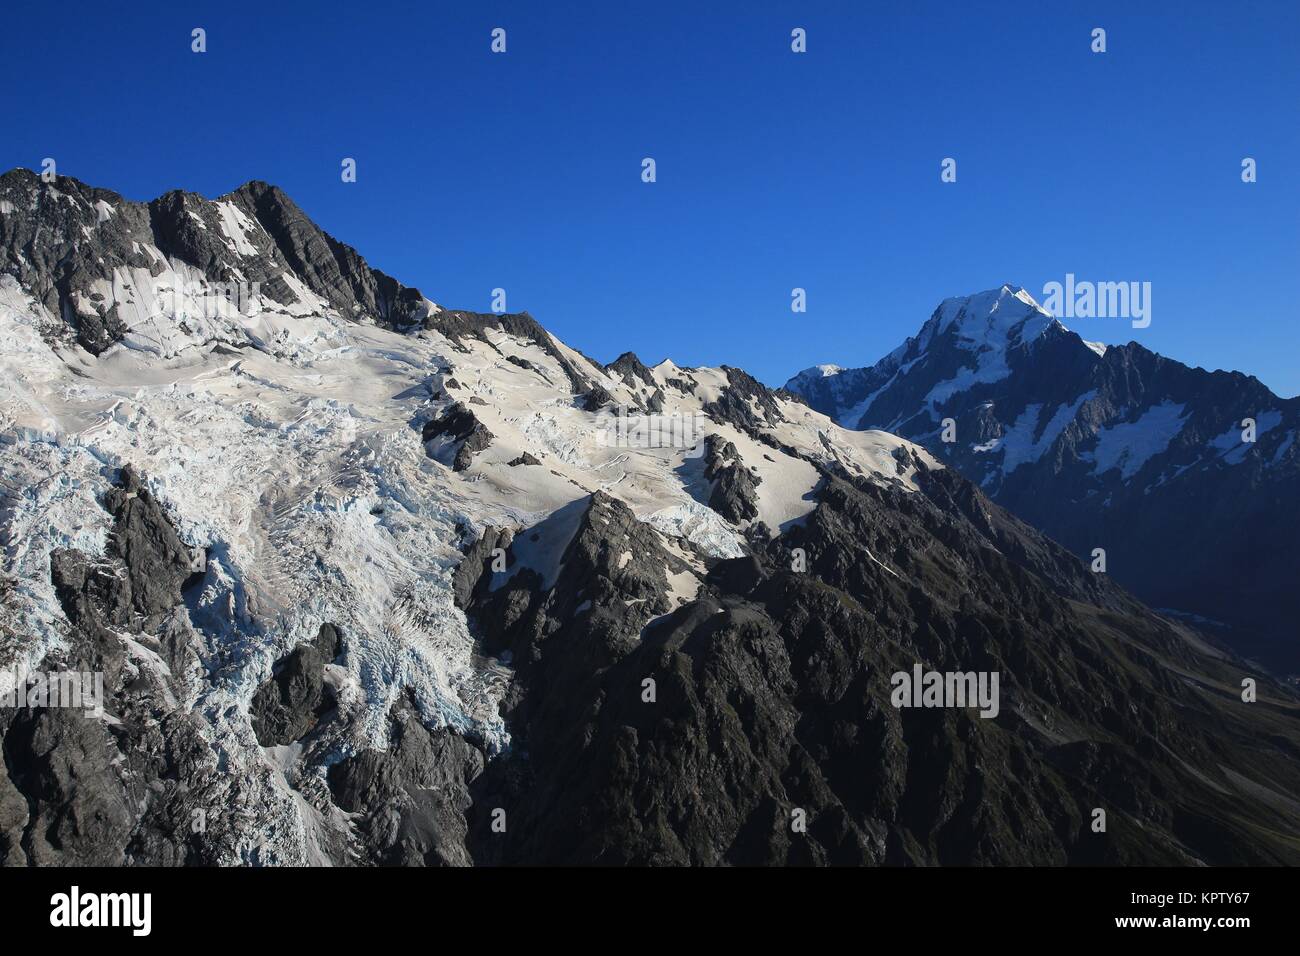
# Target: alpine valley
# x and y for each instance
(369, 581)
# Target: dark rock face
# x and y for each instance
(633, 370)
(332, 270)
(460, 428)
(38, 248)
(78, 808)
(524, 459)
(771, 694)
(735, 405)
(735, 487)
(596, 399)
(411, 799)
(1192, 518)
(289, 705)
(475, 563)
(157, 561)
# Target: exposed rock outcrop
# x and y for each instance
(457, 428)
(596, 399)
(411, 800)
(289, 705)
(734, 493)
(458, 325)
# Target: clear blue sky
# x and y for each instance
(775, 170)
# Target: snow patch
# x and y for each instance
(701, 526)
(1021, 447)
(236, 226)
(1230, 446)
(1130, 445)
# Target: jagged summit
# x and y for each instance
(99, 263)
(629, 366)
(994, 311)
(256, 187)
(71, 184)
(996, 319)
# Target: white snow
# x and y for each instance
(236, 226)
(1231, 447)
(699, 525)
(1282, 448)
(996, 317)
(305, 480)
(1129, 445)
(1021, 447)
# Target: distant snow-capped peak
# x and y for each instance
(997, 318)
(989, 321)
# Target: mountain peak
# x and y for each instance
(990, 317)
(258, 190)
(257, 186)
(965, 342)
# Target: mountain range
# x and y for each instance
(1186, 479)
(373, 581)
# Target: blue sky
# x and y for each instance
(775, 170)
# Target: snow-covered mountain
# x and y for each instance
(1104, 446)
(366, 578)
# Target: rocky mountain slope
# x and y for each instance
(370, 581)
(1105, 446)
